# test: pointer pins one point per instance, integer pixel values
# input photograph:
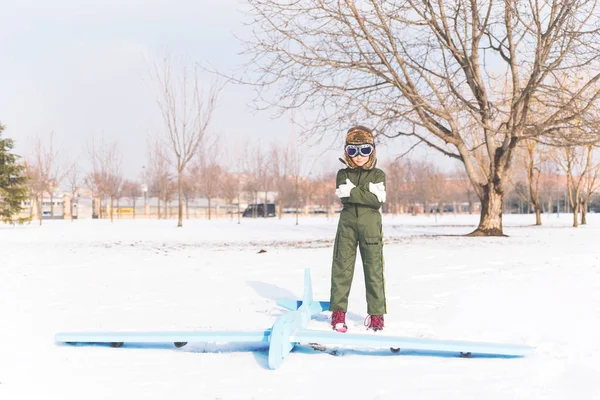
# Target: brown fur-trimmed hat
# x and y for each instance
(360, 134)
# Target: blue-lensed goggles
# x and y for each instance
(354, 150)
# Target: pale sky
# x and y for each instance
(80, 69)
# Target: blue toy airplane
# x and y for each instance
(289, 330)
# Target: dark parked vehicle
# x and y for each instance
(258, 210)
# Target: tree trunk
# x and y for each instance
(576, 215)
(538, 216)
(166, 201)
(51, 205)
(72, 207)
(297, 197)
(209, 214)
(238, 208)
(265, 205)
(40, 208)
(179, 198)
(112, 209)
(490, 222)
(255, 210)
(584, 206)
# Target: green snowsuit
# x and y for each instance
(359, 224)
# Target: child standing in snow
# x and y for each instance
(361, 189)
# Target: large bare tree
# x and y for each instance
(431, 70)
(187, 112)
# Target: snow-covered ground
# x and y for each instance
(540, 286)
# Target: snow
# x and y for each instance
(540, 286)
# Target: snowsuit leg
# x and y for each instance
(370, 242)
(344, 259)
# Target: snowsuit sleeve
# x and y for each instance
(340, 179)
(360, 194)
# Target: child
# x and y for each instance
(361, 189)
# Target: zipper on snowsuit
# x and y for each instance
(358, 183)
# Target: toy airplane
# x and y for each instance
(290, 329)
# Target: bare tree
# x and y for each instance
(254, 163)
(74, 181)
(576, 163)
(189, 189)
(531, 157)
(395, 176)
(263, 177)
(187, 114)
(55, 171)
(114, 185)
(436, 180)
(279, 165)
(324, 190)
(131, 190)
(296, 164)
(93, 181)
(45, 173)
(230, 189)
(591, 185)
(105, 178)
(158, 173)
(234, 180)
(37, 176)
(422, 190)
(431, 70)
(210, 174)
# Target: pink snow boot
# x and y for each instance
(374, 322)
(338, 321)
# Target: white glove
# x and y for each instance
(344, 189)
(378, 189)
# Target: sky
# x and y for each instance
(81, 69)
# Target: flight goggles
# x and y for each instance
(354, 150)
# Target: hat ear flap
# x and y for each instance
(348, 161)
(372, 160)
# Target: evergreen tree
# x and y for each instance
(12, 183)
